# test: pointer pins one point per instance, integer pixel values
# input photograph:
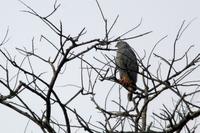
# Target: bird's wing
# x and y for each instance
(131, 64)
(121, 59)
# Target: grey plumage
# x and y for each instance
(126, 63)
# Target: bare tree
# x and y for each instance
(23, 75)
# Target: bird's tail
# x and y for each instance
(130, 96)
(130, 92)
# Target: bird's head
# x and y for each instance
(121, 44)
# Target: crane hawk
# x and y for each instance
(126, 63)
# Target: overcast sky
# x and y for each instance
(163, 17)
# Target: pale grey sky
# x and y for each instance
(163, 17)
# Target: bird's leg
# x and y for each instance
(125, 81)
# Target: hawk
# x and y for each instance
(126, 63)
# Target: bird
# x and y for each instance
(126, 64)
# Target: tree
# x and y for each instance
(22, 75)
